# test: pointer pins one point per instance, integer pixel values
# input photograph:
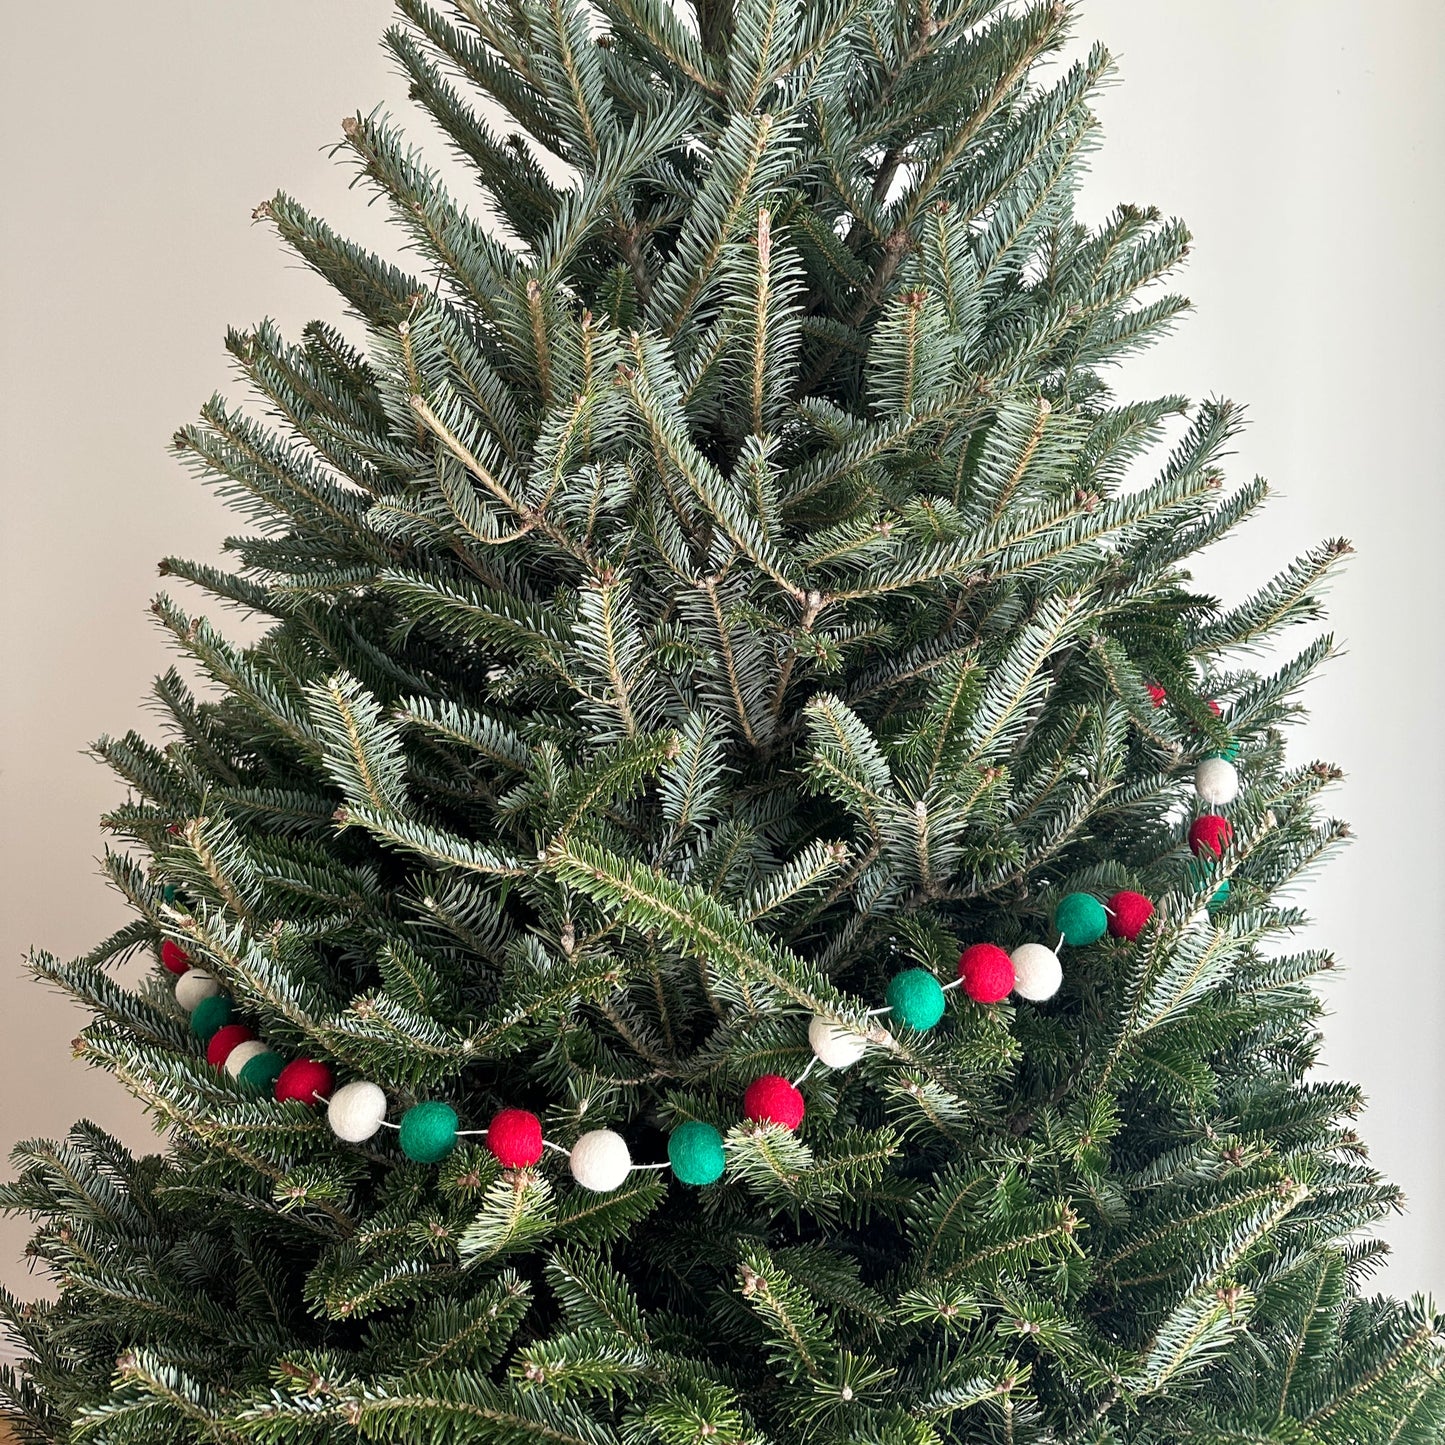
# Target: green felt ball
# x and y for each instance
(209, 1015)
(428, 1132)
(695, 1151)
(262, 1072)
(1228, 752)
(916, 998)
(169, 892)
(1080, 917)
(1221, 896)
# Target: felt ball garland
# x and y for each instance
(600, 1160)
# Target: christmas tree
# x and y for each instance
(741, 895)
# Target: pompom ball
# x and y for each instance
(210, 1014)
(1037, 971)
(261, 1071)
(987, 973)
(355, 1111)
(1156, 693)
(1216, 782)
(1131, 911)
(174, 957)
(170, 892)
(303, 1079)
(242, 1055)
(695, 1151)
(600, 1161)
(223, 1041)
(1221, 896)
(835, 1045)
(515, 1138)
(193, 986)
(1210, 833)
(1080, 917)
(428, 1132)
(915, 998)
(771, 1099)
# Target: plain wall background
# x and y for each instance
(1302, 139)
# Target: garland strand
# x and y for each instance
(696, 1151)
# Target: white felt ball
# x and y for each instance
(600, 1161)
(194, 985)
(1216, 782)
(355, 1111)
(836, 1046)
(242, 1055)
(1037, 971)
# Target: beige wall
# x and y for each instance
(1303, 139)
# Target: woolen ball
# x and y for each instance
(355, 1111)
(987, 973)
(211, 1014)
(916, 998)
(1220, 896)
(835, 1045)
(1156, 693)
(242, 1055)
(1130, 912)
(515, 1138)
(1210, 833)
(1216, 782)
(428, 1132)
(174, 957)
(193, 986)
(695, 1151)
(303, 1079)
(1080, 917)
(261, 1072)
(223, 1041)
(1037, 971)
(170, 892)
(771, 1099)
(600, 1161)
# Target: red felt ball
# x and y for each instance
(1214, 707)
(1157, 693)
(515, 1138)
(987, 972)
(771, 1099)
(1210, 832)
(1128, 913)
(174, 957)
(303, 1079)
(224, 1040)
